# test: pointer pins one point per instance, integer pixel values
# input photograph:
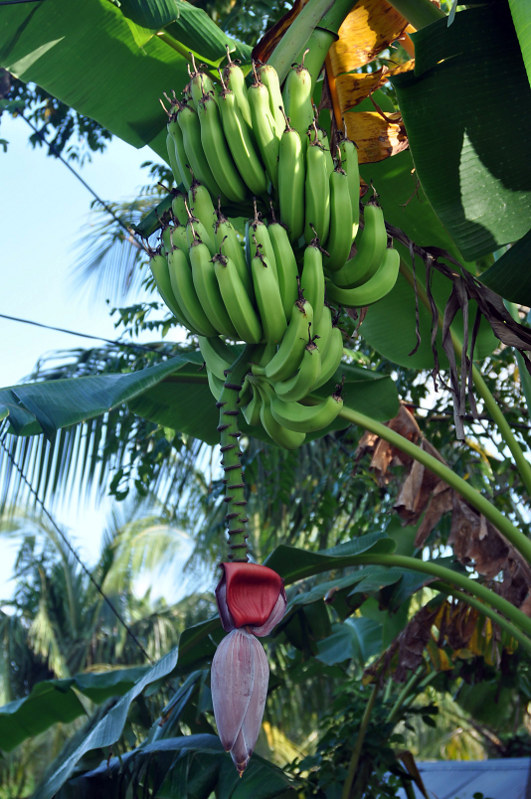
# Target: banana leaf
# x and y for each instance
(174, 394)
(466, 108)
(105, 64)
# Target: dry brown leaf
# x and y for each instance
(439, 503)
(475, 541)
(369, 28)
(376, 137)
(355, 87)
(351, 89)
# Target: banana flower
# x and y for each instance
(251, 601)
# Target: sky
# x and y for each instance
(44, 212)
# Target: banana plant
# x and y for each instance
(176, 392)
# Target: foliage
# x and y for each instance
(370, 642)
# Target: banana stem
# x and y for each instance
(231, 457)
(519, 541)
(504, 429)
(322, 37)
(297, 36)
(491, 604)
(482, 389)
(356, 752)
(419, 13)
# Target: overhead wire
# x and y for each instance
(73, 552)
(143, 347)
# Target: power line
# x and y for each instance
(129, 230)
(65, 540)
(143, 347)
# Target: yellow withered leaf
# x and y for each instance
(351, 89)
(376, 136)
(367, 30)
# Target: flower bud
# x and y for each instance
(240, 675)
(251, 596)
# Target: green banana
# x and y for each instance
(297, 96)
(287, 270)
(251, 410)
(229, 244)
(268, 299)
(195, 157)
(241, 146)
(269, 76)
(159, 269)
(172, 158)
(264, 127)
(173, 236)
(258, 241)
(217, 355)
(312, 279)
(316, 193)
(178, 238)
(371, 247)
(234, 79)
(202, 208)
(179, 207)
(287, 358)
(180, 153)
(199, 85)
(237, 301)
(289, 439)
(339, 239)
(374, 289)
(307, 375)
(322, 138)
(196, 231)
(217, 152)
(306, 418)
(321, 332)
(349, 161)
(183, 288)
(207, 289)
(215, 385)
(179, 156)
(262, 354)
(291, 178)
(330, 357)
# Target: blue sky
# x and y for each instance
(44, 212)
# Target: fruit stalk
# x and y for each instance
(229, 434)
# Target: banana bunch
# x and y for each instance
(371, 273)
(275, 393)
(234, 142)
(215, 282)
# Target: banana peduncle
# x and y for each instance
(229, 433)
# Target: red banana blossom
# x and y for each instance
(251, 601)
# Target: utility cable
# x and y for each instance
(64, 538)
(129, 230)
(143, 347)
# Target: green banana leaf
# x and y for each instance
(106, 731)
(521, 14)
(510, 276)
(44, 407)
(355, 639)
(195, 765)
(107, 66)
(465, 109)
(391, 324)
(53, 701)
(174, 394)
